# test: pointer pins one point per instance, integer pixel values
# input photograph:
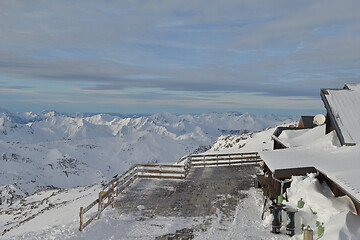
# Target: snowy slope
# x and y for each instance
(247, 141)
(53, 213)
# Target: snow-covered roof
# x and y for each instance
(301, 137)
(339, 165)
(344, 107)
(311, 148)
(352, 86)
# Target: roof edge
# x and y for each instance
(331, 115)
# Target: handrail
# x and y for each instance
(120, 183)
(170, 171)
(113, 188)
(225, 158)
(203, 160)
(224, 154)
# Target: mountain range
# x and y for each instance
(65, 150)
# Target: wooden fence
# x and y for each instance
(120, 183)
(223, 159)
(167, 171)
(111, 190)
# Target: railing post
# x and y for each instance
(113, 188)
(100, 205)
(112, 196)
(112, 200)
(117, 189)
(81, 216)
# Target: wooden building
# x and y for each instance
(338, 167)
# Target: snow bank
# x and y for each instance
(337, 213)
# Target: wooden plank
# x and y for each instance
(183, 158)
(287, 173)
(224, 163)
(160, 165)
(89, 221)
(127, 179)
(224, 154)
(165, 177)
(126, 184)
(106, 205)
(161, 171)
(124, 180)
(81, 219)
(107, 193)
(224, 159)
(90, 206)
(119, 177)
(227, 159)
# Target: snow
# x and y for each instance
(45, 209)
(344, 226)
(337, 213)
(306, 137)
(70, 150)
(246, 142)
(310, 148)
(63, 152)
(322, 152)
(353, 86)
(60, 221)
(246, 223)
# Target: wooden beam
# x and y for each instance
(287, 173)
(224, 163)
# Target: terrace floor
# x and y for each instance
(205, 192)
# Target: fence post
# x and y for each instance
(117, 188)
(189, 162)
(100, 205)
(81, 216)
(111, 198)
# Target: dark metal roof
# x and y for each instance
(307, 121)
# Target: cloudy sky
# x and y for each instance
(179, 56)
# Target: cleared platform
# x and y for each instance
(203, 192)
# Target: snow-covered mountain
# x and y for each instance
(68, 150)
(53, 212)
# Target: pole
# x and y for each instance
(100, 203)
(81, 215)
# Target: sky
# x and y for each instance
(178, 56)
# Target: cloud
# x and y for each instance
(270, 49)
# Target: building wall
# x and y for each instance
(330, 126)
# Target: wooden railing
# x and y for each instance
(221, 159)
(168, 171)
(120, 183)
(111, 190)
